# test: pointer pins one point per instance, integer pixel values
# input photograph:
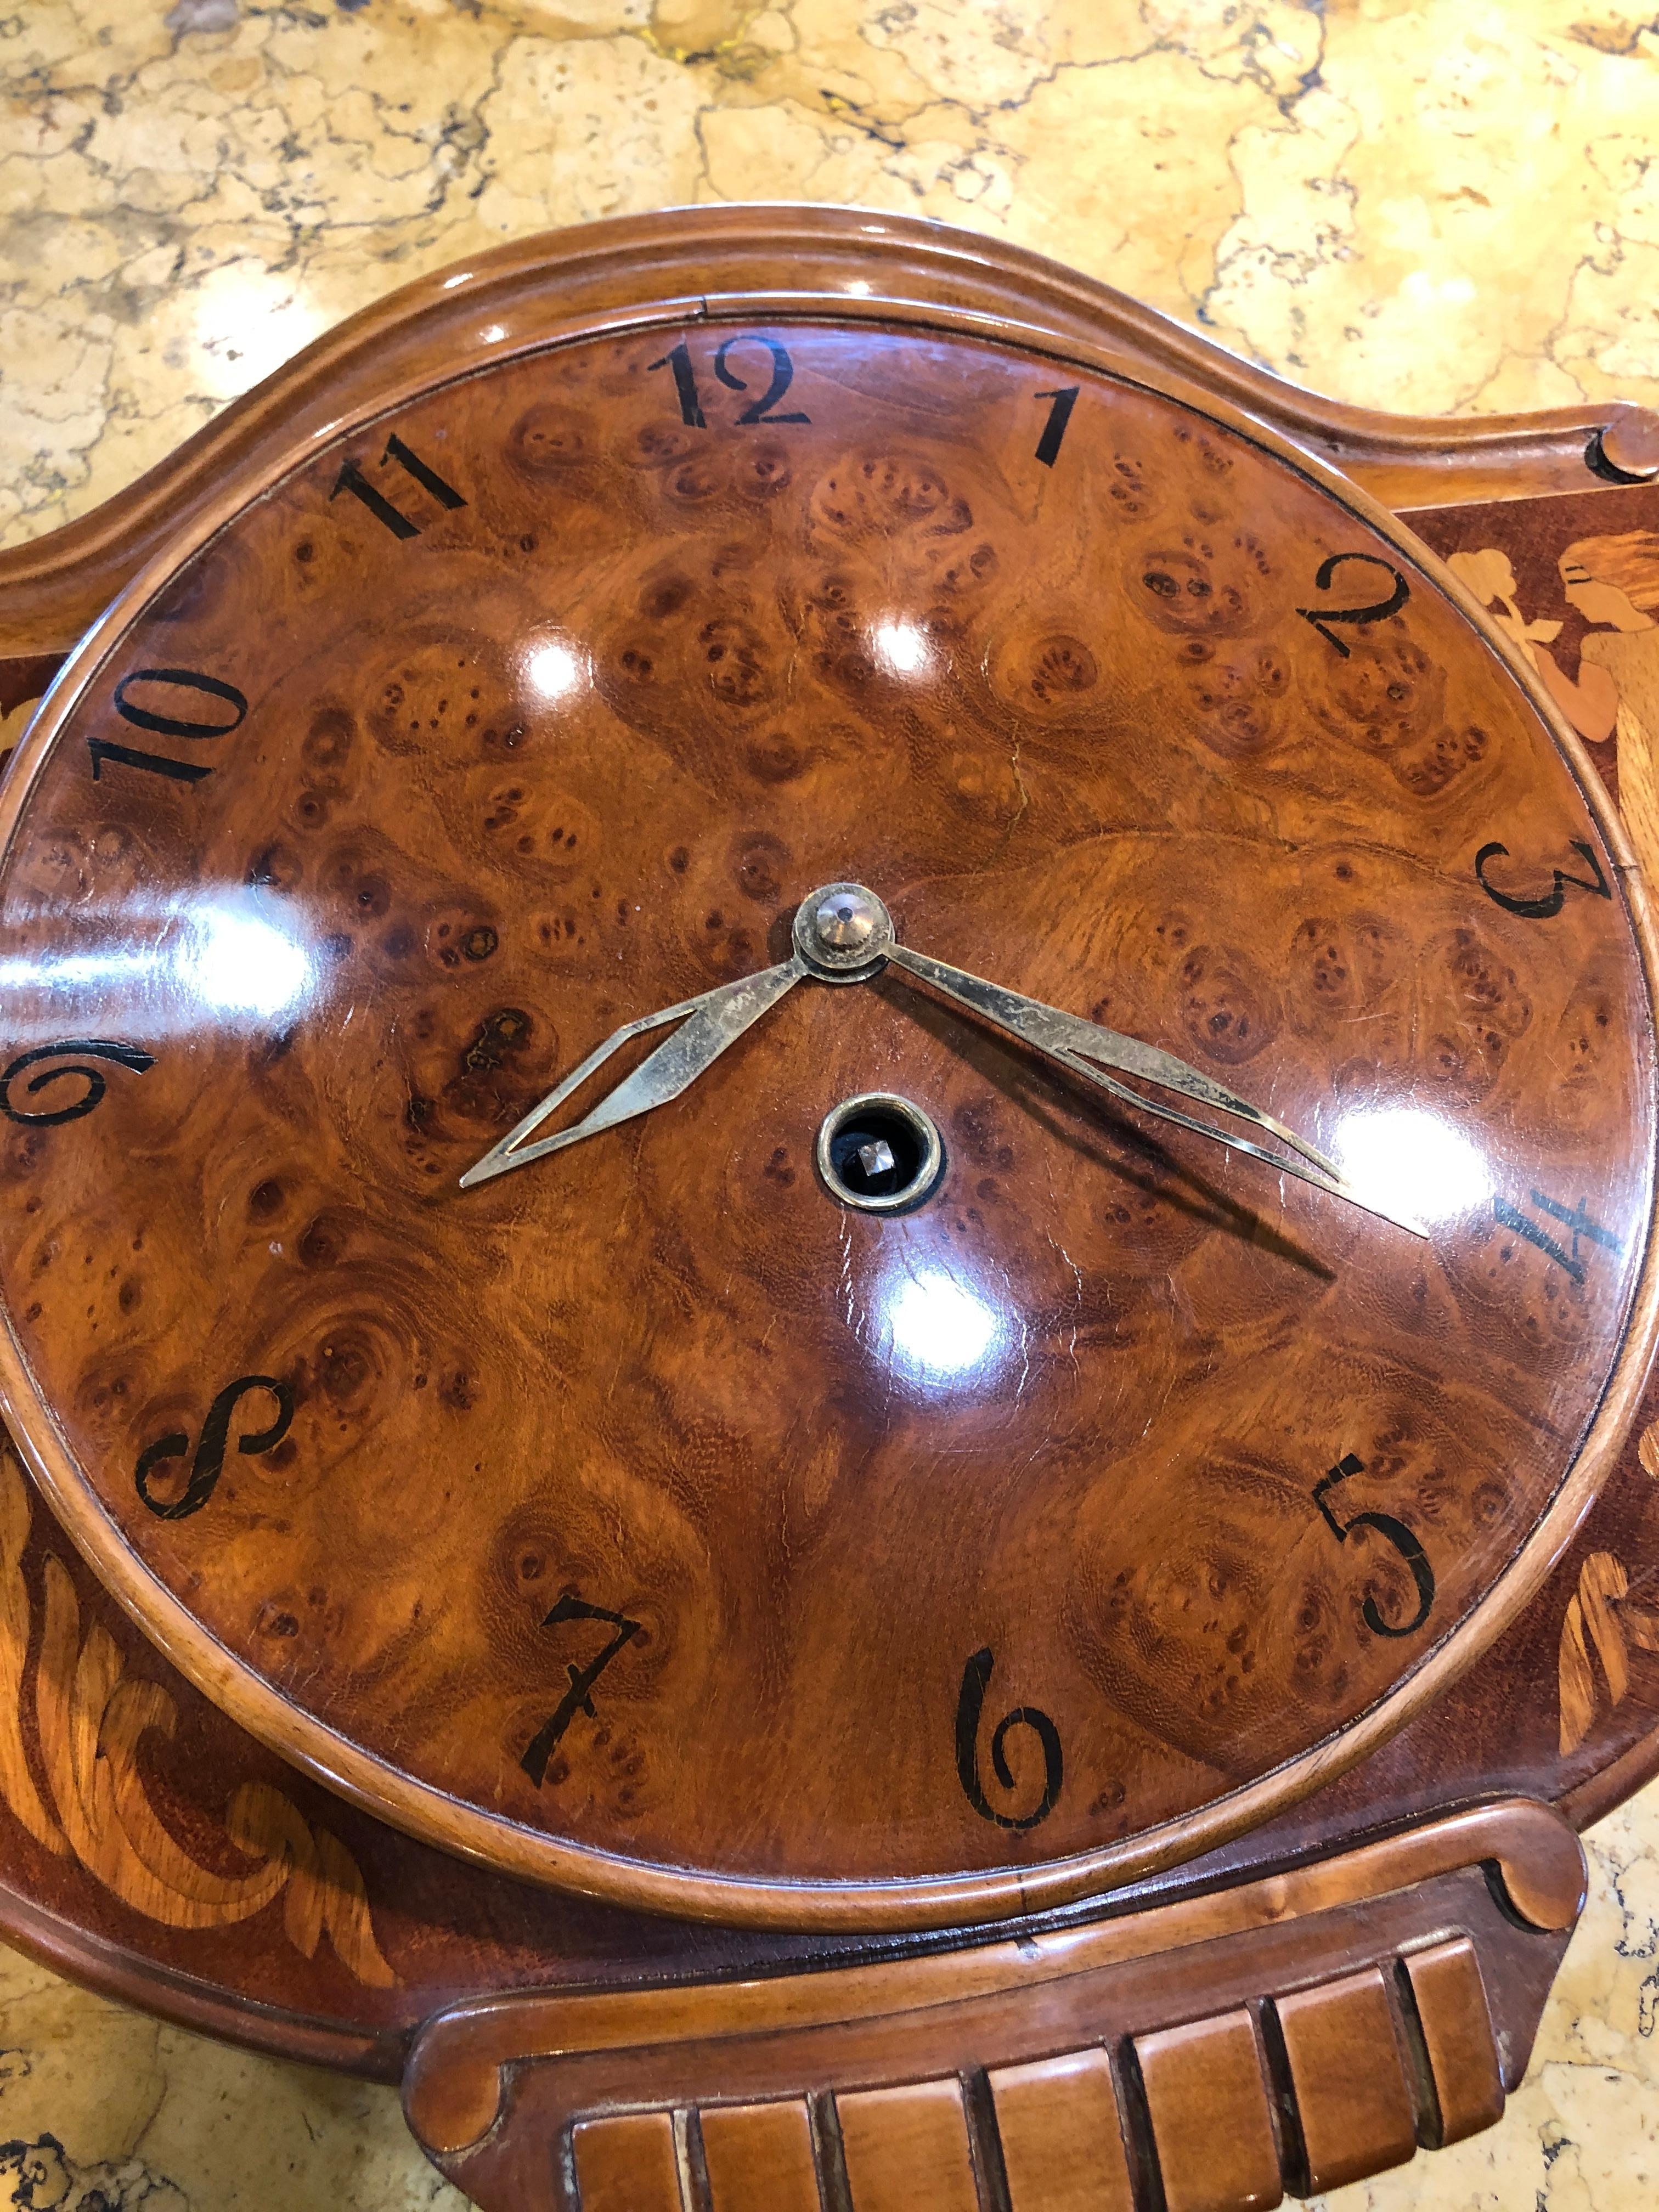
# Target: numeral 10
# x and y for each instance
(195, 727)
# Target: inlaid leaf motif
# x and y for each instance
(90, 1716)
(1598, 1618)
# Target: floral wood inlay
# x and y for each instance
(91, 1715)
(1598, 1615)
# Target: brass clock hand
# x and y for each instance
(712, 1021)
(1083, 1046)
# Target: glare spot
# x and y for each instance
(553, 669)
(902, 647)
(239, 963)
(1412, 1162)
(859, 287)
(248, 321)
(492, 334)
(461, 277)
(935, 1328)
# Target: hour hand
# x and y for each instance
(1088, 1049)
(710, 1023)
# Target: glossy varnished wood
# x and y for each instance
(342, 1968)
(765, 260)
(1294, 2032)
(1035, 706)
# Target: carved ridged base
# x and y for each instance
(1296, 2033)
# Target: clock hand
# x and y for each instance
(1083, 1045)
(712, 1021)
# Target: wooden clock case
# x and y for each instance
(1302, 2006)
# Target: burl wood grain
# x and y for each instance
(856, 260)
(539, 763)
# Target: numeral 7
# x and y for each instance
(579, 1697)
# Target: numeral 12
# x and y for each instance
(677, 362)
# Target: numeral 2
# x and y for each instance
(579, 1697)
(1552, 901)
(1392, 1532)
(167, 726)
(677, 360)
(970, 1705)
(1377, 610)
(209, 1461)
(352, 479)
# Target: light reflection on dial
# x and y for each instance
(1403, 1156)
(932, 1328)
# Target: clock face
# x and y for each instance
(886, 1468)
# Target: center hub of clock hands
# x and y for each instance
(843, 933)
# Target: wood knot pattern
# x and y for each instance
(641, 1517)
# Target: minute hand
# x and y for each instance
(1088, 1048)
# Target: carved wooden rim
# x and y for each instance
(636, 275)
(453, 2080)
(52, 587)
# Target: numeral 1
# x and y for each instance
(1060, 414)
(685, 384)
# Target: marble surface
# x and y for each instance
(1452, 205)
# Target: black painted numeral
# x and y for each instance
(579, 1697)
(143, 716)
(1574, 1219)
(131, 757)
(1552, 901)
(209, 1461)
(1392, 1532)
(352, 479)
(970, 1705)
(126, 1055)
(1060, 414)
(1377, 610)
(677, 360)
(783, 375)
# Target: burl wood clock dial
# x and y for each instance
(1109, 1253)
(827, 1133)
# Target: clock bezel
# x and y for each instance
(1040, 316)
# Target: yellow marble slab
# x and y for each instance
(1452, 205)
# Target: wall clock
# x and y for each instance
(830, 1133)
